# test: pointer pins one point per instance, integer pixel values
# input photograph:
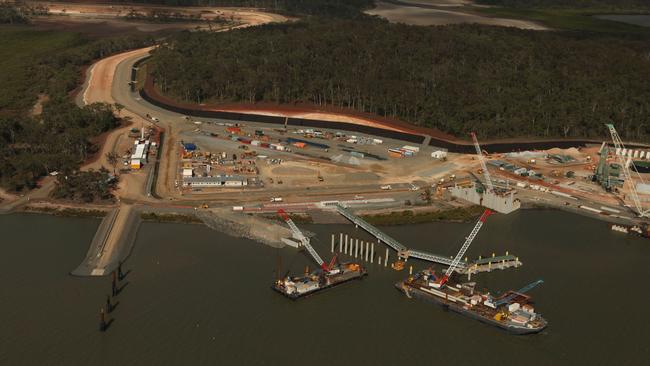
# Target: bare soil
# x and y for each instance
(429, 16)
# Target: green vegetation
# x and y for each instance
(572, 15)
(298, 218)
(179, 218)
(571, 4)
(18, 12)
(67, 212)
(168, 16)
(10, 14)
(570, 20)
(461, 214)
(85, 187)
(48, 63)
(500, 82)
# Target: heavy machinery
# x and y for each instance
(506, 299)
(518, 316)
(625, 163)
(305, 241)
(327, 276)
(486, 173)
(468, 241)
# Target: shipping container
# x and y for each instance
(414, 149)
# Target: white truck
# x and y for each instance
(276, 199)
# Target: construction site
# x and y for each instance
(234, 173)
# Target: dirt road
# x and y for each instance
(101, 87)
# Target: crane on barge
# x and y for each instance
(521, 291)
(468, 241)
(305, 242)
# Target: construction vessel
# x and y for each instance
(327, 276)
(512, 311)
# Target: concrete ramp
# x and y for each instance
(112, 242)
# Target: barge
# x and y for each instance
(512, 312)
(319, 280)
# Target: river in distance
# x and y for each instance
(196, 296)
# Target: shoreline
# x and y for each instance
(403, 216)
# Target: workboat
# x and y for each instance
(319, 280)
(512, 311)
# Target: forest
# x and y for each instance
(499, 82)
(48, 64)
(86, 187)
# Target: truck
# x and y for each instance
(386, 187)
(276, 199)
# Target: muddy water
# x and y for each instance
(195, 296)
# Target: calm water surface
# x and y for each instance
(196, 296)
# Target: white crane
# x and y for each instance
(486, 173)
(625, 163)
(303, 239)
(463, 249)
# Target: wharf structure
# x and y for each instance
(481, 265)
(502, 202)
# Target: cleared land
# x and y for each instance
(416, 15)
(101, 19)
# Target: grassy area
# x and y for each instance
(298, 218)
(178, 218)
(461, 214)
(570, 19)
(66, 212)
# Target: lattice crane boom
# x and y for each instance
(486, 173)
(303, 239)
(463, 249)
(625, 163)
(522, 290)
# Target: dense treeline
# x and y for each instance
(11, 15)
(18, 12)
(500, 82)
(338, 8)
(574, 4)
(85, 186)
(48, 64)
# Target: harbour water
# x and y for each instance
(195, 296)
